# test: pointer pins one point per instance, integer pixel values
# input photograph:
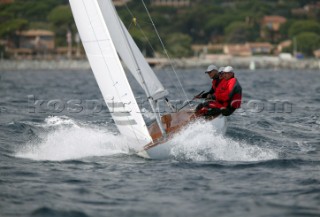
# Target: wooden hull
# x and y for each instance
(172, 123)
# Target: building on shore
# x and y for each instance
(40, 44)
(37, 39)
(270, 27)
(260, 47)
(32, 42)
(283, 46)
(309, 10)
(246, 49)
(317, 53)
(237, 50)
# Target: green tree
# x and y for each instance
(193, 22)
(31, 10)
(11, 26)
(237, 32)
(205, 20)
(144, 40)
(284, 28)
(307, 42)
(215, 25)
(61, 15)
(62, 21)
(304, 26)
(36, 11)
(179, 45)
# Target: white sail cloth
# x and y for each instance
(136, 64)
(108, 71)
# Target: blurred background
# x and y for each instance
(210, 30)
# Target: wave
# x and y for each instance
(201, 142)
(65, 139)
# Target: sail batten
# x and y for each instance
(108, 71)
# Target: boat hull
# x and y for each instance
(173, 123)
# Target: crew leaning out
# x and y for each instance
(214, 74)
(225, 95)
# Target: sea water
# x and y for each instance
(61, 154)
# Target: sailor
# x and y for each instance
(210, 107)
(229, 92)
(213, 73)
(226, 98)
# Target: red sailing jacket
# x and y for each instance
(229, 93)
(215, 83)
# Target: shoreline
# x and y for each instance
(256, 62)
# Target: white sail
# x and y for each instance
(136, 64)
(108, 71)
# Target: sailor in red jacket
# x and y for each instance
(227, 96)
(229, 92)
(203, 108)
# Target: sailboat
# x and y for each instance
(106, 40)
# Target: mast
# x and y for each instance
(152, 103)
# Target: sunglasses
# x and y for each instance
(209, 72)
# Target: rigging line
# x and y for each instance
(100, 48)
(130, 26)
(150, 45)
(137, 24)
(153, 50)
(148, 41)
(165, 51)
(152, 102)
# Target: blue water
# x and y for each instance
(62, 159)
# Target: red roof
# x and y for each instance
(274, 19)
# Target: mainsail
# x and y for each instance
(108, 71)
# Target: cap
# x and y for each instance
(210, 68)
(228, 69)
(221, 69)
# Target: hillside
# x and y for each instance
(209, 21)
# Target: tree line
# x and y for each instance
(205, 21)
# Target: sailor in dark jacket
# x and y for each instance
(213, 73)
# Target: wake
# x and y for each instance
(67, 140)
(201, 142)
